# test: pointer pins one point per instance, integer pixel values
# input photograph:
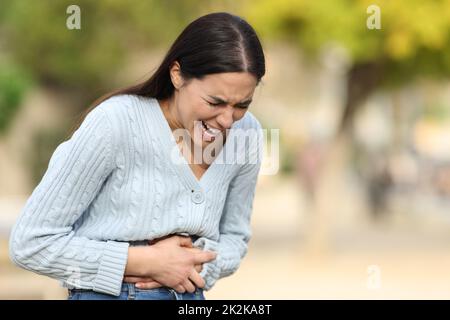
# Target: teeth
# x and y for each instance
(212, 131)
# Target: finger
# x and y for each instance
(197, 279)
(180, 289)
(187, 284)
(198, 267)
(132, 279)
(148, 285)
(185, 241)
(156, 240)
(194, 250)
(204, 256)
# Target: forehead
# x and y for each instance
(231, 86)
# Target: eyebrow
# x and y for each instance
(219, 100)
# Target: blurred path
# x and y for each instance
(412, 261)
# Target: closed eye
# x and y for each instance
(216, 104)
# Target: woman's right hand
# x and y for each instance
(171, 262)
(175, 263)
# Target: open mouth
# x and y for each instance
(209, 134)
(210, 130)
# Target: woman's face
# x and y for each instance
(208, 107)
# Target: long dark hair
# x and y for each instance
(214, 43)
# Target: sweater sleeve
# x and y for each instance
(43, 238)
(234, 227)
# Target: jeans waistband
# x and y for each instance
(145, 242)
(124, 288)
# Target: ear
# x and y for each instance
(175, 75)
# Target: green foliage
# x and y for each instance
(287, 161)
(44, 144)
(13, 84)
(85, 62)
(414, 38)
(439, 113)
(38, 39)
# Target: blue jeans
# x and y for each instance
(130, 292)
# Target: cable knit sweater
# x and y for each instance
(115, 182)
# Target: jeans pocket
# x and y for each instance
(199, 294)
(72, 295)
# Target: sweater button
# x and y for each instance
(197, 197)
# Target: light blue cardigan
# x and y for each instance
(115, 181)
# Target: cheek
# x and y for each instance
(194, 107)
(188, 113)
(196, 112)
(204, 112)
(239, 114)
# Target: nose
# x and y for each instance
(226, 117)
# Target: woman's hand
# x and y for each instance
(149, 283)
(169, 262)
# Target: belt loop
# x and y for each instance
(175, 294)
(131, 291)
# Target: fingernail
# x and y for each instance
(138, 285)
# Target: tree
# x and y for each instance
(413, 42)
(80, 64)
(87, 60)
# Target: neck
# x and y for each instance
(168, 107)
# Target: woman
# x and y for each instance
(127, 208)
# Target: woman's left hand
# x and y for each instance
(142, 282)
(147, 282)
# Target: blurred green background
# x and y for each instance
(360, 205)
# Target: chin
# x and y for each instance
(201, 143)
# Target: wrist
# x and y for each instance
(139, 261)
